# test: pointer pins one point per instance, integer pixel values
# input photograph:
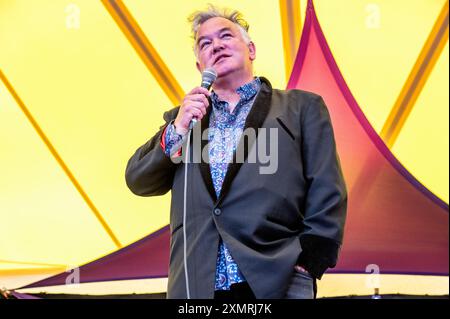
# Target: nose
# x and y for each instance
(217, 45)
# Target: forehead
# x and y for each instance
(213, 25)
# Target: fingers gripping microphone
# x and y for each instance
(209, 75)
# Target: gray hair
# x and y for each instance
(199, 17)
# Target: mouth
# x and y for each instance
(220, 58)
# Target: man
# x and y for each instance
(248, 234)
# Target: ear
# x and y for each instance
(252, 51)
(198, 67)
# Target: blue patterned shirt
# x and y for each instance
(225, 130)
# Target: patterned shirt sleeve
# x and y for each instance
(171, 141)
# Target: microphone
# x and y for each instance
(209, 75)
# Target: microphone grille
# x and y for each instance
(209, 75)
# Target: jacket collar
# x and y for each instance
(255, 120)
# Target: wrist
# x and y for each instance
(179, 129)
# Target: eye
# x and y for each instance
(203, 44)
(227, 35)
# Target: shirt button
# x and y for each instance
(217, 211)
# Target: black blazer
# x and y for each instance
(269, 222)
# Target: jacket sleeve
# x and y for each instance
(325, 205)
(149, 171)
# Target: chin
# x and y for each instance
(223, 71)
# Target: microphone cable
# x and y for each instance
(208, 77)
(186, 276)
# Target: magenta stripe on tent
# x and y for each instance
(146, 258)
(393, 220)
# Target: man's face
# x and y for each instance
(220, 45)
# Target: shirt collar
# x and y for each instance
(246, 93)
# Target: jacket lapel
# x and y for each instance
(255, 120)
(205, 170)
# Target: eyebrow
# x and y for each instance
(205, 36)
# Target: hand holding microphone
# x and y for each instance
(195, 103)
(191, 110)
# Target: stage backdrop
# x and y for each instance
(84, 83)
